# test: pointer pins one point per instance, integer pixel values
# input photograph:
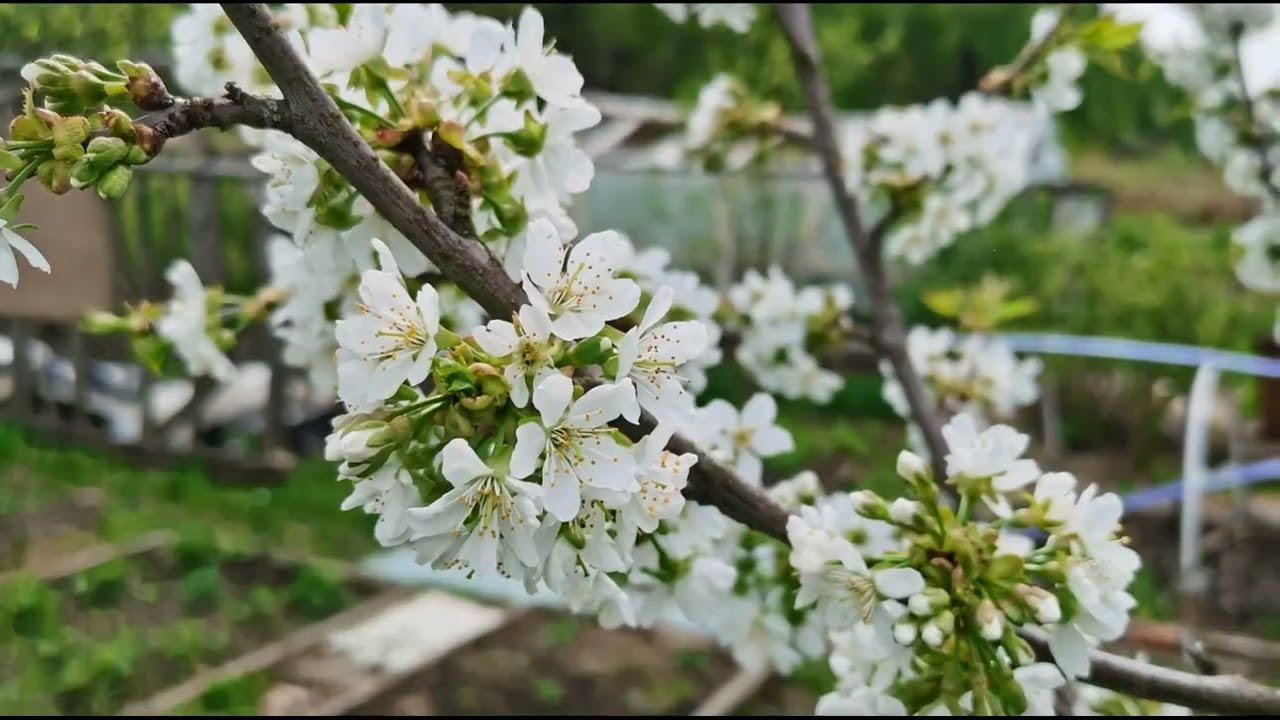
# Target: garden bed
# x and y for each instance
(551, 663)
(115, 624)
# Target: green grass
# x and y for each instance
(301, 515)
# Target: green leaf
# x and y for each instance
(10, 161)
(946, 303)
(1107, 33)
(1018, 308)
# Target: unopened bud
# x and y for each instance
(869, 504)
(71, 131)
(905, 632)
(928, 601)
(1043, 603)
(145, 87)
(25, 127)
(932, 635)
(148, 140)
(56, 175)
(945, 621)
(518, 87)
(70, 153)
(480, 402)
(990, 621)
(904, 511)
(912, 467)
(107, 151)
(115, 182)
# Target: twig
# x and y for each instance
(889, 336)
(318, 123)
(999, 79)
(1225, 694)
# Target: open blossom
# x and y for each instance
(575, 443)
(390, 494)
(527, 343)
(12, 244)
(489, 516)
(651, 355)
(662, 475)
(583, 296)
(391, 341)
(835, 576)
(336, 51)
(743, 439)
(554, 77)
(185, 325)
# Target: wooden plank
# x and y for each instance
(264, 657)
(203, 228)
(457, 621)
(730, 696)
(94, 556)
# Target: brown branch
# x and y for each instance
(438, 169)
(999, 79)
(318, 123)
(889, 335)
(1224, 694)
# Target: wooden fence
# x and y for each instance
(71, 385)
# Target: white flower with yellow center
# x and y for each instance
(651, 355)
(582, 296)
(491, 513)
(576, 444)
(391, 341)
(528, 344)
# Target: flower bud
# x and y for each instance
(905, 632)
(71, 131)
(115, 182)
(591, 351)
(70, 153)
(990, 621)
(869, 504)
(55, 175)
(932, 635)
(145, 87)
(1044, 605)
(928, 601)
(518, 87)
(107, 151)
(912, 467)
(904, 511)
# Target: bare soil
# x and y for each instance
(549, 663)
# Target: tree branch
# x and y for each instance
(1225, 694)
(999, 79)
(319, 124)
(888, 337)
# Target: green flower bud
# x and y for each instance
(107, 151)
(70, 153)
(115, 182)
(1004, 568)
(518, 87)
(83, 173)
(11, 161)
(528, 140)
(104, 323)
(71, 131)
(56, 175)
(868, 504)
(928, 601)
(25, 127)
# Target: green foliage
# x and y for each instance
(1141, 276)
(316, 593)
(103, 585)
(237, 696)
(202, 588)
(30, 608)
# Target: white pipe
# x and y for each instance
(1192, 578)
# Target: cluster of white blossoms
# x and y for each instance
(1223, 58)
(976, 374)
(929, 626)
(779, 325)
(738, 17)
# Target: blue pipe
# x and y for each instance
(1142, 351)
